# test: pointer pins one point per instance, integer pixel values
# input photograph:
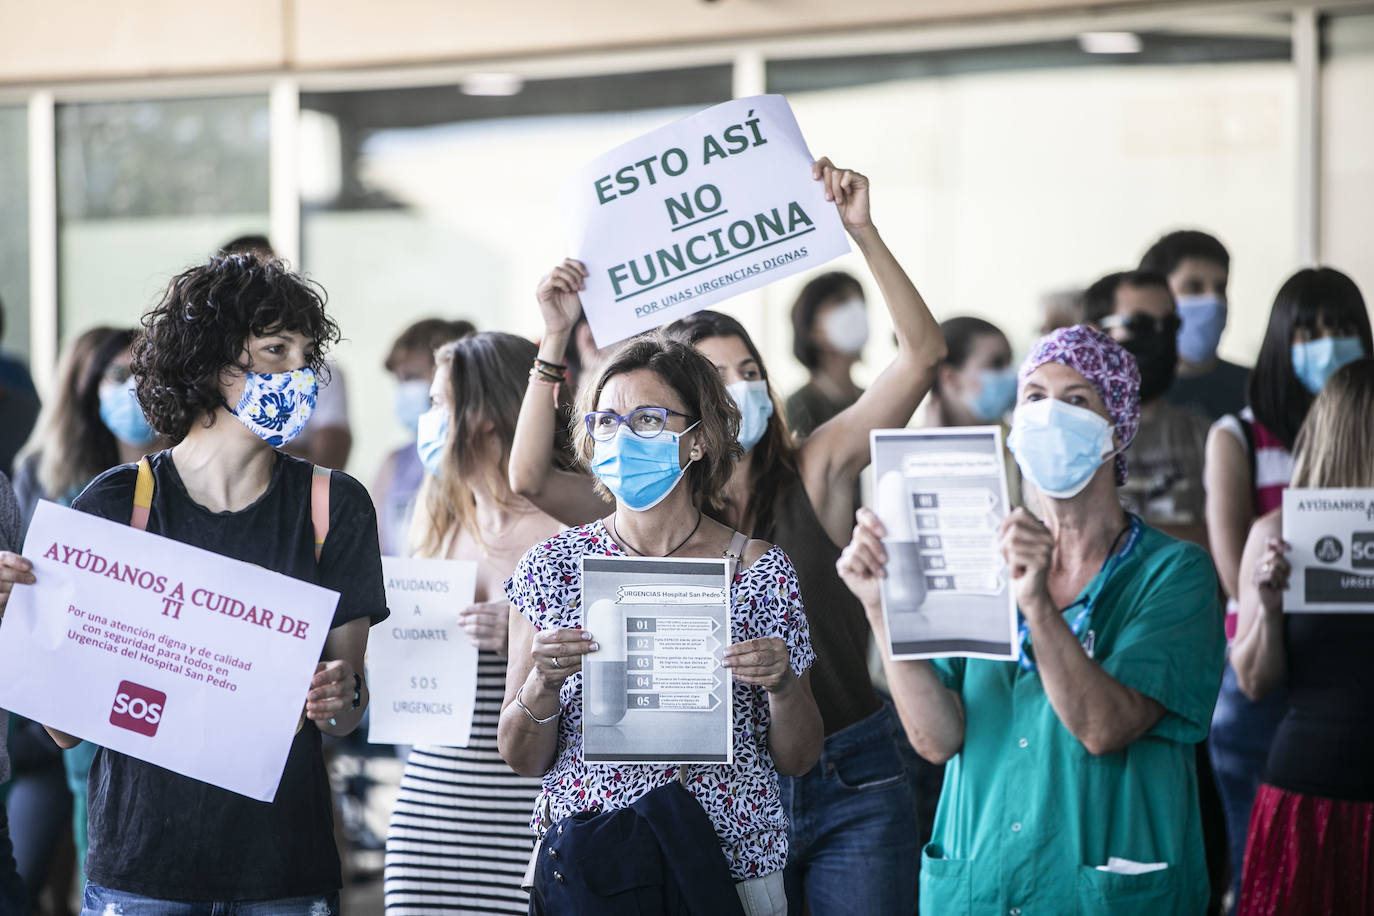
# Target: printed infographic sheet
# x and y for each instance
(656, 692)
(942, 495)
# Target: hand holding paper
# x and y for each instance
(14, 570)
(487, 624)
(1028, 546)
(848, 189)
(862, 565)
(761, 662)
(1271, 576)
(557, 294)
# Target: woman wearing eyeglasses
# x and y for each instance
(1071, 785)
(659, 431)
(853, 811)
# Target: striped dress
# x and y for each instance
(459, 838)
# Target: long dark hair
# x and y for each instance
(960, 332)
(773, 461)
(1310, 299)
(70, 444)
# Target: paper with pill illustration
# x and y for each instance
(942, 495)
(655, 691)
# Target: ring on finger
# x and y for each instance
(555, 662)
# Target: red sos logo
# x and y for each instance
(138, 708)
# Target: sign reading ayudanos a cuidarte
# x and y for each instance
(696, 212)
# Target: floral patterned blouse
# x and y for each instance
(741, 799)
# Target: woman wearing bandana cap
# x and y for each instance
(1070, 785)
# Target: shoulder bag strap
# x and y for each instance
(143, 495)
(319, 506)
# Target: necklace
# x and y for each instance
(639, 553)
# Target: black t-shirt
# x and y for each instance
(160, 834)
(1213, 394)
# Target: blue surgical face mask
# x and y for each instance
(431, 435)
(1315, 361)
(640, 473)
(123, 416)
(755, 409)
(411, 401)
(277, 405)
(996, 394)
(1203, 319)
(1059, 446)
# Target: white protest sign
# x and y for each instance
(175, 655)
(1331, 533)
(422, 668)
(696, 212)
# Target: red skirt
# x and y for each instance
(1308, 855)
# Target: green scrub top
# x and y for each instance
(1027, 814)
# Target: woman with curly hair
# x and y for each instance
(225, 367)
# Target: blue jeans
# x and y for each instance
(852, 826)
(1239, 747)
(103, 901)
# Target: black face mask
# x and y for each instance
(1157, 356)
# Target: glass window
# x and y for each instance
(147, 188)
(427, 201)
(1002, 174)
(1347, 138)
(14, 229)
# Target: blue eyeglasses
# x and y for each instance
(646, 422)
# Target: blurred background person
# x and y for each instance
(13, 897)
(1317, 312)
(1198, 268)
(1061, 308)
(1311, 839)
(92, 423)
(1164, 483)
(459, 839)
(975, 384)
(829, 330)
(584, 357)
(19, 405)
(411, 363)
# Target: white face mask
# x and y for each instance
(846, 326)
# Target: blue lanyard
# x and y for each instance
(1084, 616)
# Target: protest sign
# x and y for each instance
(1331, 533)
(942, 495)
(175, 655)
(655, 692)
(696, 212)
(422, 668)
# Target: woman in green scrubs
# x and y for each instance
(1070, 785)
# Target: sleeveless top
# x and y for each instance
(1271, 468)
(839, 629)
(1325, 743)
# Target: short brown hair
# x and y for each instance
(426, 336)
(695, 380)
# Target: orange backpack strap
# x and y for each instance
(143, 495)
(319, 507)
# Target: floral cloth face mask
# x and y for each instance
(277, 405)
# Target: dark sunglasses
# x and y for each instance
(1140, 324)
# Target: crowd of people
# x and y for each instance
(1167, 741)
